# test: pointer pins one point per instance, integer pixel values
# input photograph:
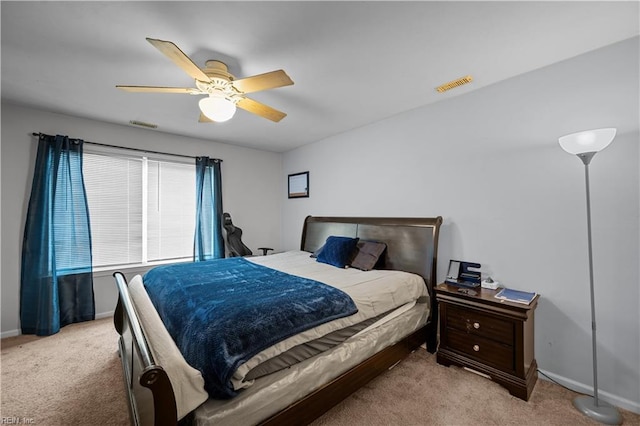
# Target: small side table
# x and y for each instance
(488, 335)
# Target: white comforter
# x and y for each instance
(374, 292)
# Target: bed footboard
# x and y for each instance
(150, 394)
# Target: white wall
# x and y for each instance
(251, 181)
(489, 163)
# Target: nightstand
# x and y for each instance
(489, 336)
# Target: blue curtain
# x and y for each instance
(56, 285)
(208, 241)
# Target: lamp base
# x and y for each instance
(603, 412)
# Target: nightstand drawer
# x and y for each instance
(479, 324)
(484, 350)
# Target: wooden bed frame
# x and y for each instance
(412, 246)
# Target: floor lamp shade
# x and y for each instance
(585, 145)
(587, 141)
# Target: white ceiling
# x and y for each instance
(353, 63)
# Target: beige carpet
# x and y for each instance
(75, 378)
(71, 378)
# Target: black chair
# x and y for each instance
(234, 239)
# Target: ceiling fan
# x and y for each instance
(225, 93)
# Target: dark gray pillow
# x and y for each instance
(368, 254)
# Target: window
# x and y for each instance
(141, 209)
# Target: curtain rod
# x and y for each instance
(134, 149)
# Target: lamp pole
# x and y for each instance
(586, 159)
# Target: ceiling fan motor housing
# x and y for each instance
(220, 83)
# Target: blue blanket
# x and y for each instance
(220, 313)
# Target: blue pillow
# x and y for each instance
(338, 251)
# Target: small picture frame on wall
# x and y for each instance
(299, 185)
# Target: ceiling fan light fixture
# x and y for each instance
(217, 108)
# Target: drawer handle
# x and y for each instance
(476, 325)
(476, 348)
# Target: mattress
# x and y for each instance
(381, 296)
(309, 349)
(275, 392)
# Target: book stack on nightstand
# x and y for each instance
(488, 335)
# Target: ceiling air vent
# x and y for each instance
(143, 124)
(455, 83)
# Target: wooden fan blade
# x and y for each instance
(174, 53)
(204, 119)
(261, 109)
(269, 80)
(155, 89)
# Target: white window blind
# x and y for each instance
(141, 210)
(171, 210)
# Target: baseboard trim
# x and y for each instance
(616, 400)
(10, 333)
(13, 333)
(105, 315)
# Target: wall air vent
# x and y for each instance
(455, 83)
(143, 124)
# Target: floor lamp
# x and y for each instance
(585, 145)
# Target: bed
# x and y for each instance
(300, 393)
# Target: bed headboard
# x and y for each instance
(412, 246)
(412, 243)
